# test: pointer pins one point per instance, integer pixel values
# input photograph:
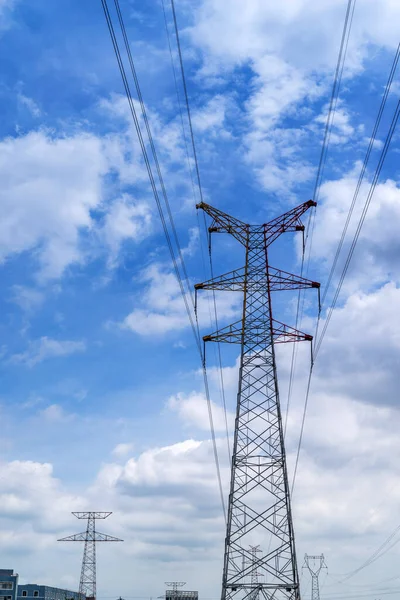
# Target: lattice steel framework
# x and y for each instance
(254, 572)
(87, 585)
(314, 564)
(259, 509)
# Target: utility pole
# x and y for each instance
(314, 564)
(259, 510)
(87, 584)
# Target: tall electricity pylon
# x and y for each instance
(87, 585)
(259, 509)
(314, 564)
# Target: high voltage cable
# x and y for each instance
(321, 166)
(202, 356)
(150, 137)
(362, 173)
(383, 549)
(361, 222)
(218, 349)
(156, 196)
(179, 101)
(201, 199)
(222, 391)
(311, 223)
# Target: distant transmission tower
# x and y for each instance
(314, 564)
(87, 585)
(173, 593)
(254, 573)
(259, 509)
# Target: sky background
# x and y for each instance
(102, 403)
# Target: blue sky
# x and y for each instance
(101, 393)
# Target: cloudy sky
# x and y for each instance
(102, 404)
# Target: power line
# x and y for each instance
(195, 330)
(385, 149)
(201, 200)
(310, 227)
(362, 173)
(383, 549)
(221, 383)
(152, 145)
(361, 221)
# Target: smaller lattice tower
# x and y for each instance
(173, 591)
(254, 574)
(87, 584)
(314, 564)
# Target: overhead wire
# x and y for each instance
(318, 180)
(362, 173)
(381, 551)
(217, 348)
(222, 385)
(360, 224)
(195, 329)
(348, 21)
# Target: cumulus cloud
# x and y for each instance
(51, 186)
(161, 307)
(374, 261)
(45, 348)
(125, 220)
(193, 411)
(290, 51)
(121, 450)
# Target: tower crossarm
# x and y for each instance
(261, 333)
(289, 221)
(92, 515)
(224, 223)
(279, 280)
(98, 537)
(77, 537)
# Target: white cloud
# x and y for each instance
(375, 258)
(30, 104)
(291, 51)
(193, 411)
(55, 413)
(161, 307)
(28, 299)
(125, 220)
(121, 450)
(211, 117)
(51, 186)
(45, 348)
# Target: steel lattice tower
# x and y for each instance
(314, 564)
(259, 509)
(254, 573)
(174, 591)
(87, 584)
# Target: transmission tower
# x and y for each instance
(254, 573)
(87, 585)
(173, 593)
(314, 564)
(259, 509)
